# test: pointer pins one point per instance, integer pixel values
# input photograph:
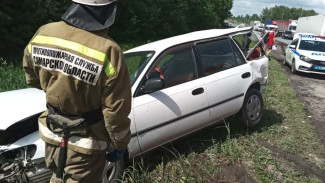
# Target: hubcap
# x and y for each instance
(253, 107)
(109, 172)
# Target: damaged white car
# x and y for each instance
(21, 149)
(179, 85)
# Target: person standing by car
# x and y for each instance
(265, 37)
(270, 43)
(263, 33)
(88, 91)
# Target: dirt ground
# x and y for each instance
(310, 90)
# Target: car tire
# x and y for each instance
(113, 171)
(252, 109)
(293, 67)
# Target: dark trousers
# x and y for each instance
(81, 168)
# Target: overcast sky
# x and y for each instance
(243, 7)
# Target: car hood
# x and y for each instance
(20, 104)
(315, 55)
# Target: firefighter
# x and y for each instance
(88, 92)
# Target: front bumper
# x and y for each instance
(302, 66)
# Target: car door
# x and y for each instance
(175, 110)
(290, 51)
(227, 76)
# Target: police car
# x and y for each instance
(306, 53)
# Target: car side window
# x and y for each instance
(176, 67)
(216, 56)
(295, 42)
(239, 57)
(250, 44)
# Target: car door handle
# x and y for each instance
(246, 75)
(198, 91)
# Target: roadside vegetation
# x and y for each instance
(136, 21)
(275, 13)
(11, 76)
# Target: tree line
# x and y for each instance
(276, 13)
(136, 21)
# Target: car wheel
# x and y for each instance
(113, 171)
(293, 67)
(252, 109)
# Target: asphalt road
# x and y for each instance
(310, 90)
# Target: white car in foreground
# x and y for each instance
(179, 85)
(306, 53)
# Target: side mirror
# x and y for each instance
(152, 85)
(292, 46)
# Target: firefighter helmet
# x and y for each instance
(91, 15)
(94, 2)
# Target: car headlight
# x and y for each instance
(304, 58)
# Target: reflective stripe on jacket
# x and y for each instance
(81, 142)
(81, 71)
(100, 56)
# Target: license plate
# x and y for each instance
(319, 67)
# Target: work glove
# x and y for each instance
(114, 155)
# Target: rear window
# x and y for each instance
(217, 55)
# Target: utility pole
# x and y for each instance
(301, 9)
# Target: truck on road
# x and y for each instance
(270, 25)
(255, 24)
(260, 28)
(286, 25)
(312, 24)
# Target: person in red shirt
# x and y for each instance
(271, 42)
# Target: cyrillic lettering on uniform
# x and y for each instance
(66, 63)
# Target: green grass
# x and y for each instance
(11, 77)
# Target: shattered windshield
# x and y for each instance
(136, 62)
